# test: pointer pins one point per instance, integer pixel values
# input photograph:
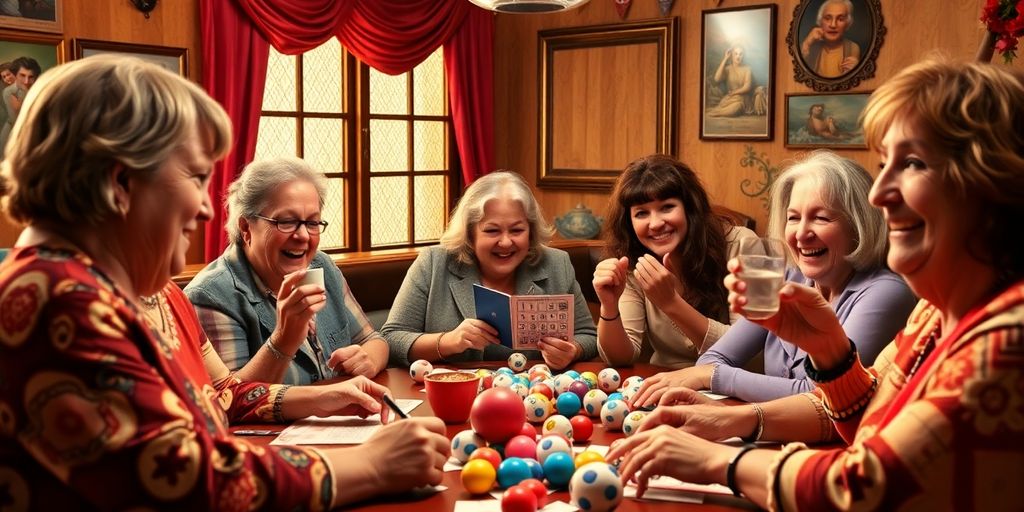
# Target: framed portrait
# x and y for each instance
(171, 58)
(829, 120)
(737, 73)
(607, 95)
(37, 53)
(834, 43)
(37, 15)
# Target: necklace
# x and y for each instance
(150, 304)
(150, 301)
(929, 345)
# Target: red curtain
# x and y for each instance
(234, 73)
(392, 36)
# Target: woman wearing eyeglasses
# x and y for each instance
(262, 321)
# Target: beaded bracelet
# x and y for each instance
(755, 436)
(775, 469)
(274, 351)
(730, 470)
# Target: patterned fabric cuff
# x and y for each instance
(279, 403)
(775, 470)
(846, 395)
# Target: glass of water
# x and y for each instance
(763, 263)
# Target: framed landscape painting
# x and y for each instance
(825, 120)
(172, 58)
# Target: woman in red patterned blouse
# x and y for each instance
(938, 422)
(107, 170)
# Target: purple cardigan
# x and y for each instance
(872, 309)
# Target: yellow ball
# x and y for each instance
(478, 476)
(587, 456)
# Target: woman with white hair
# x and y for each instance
(251, 300)
(495, 238)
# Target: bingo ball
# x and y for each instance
(518, 499)
(487, 454)
(543, 389)
(497, 414)
(520, 389)
(538, 408)
(502, 380)
(557, 424)
(613, 414)
(582, 428)
(513, 470)
(593, 401)
(465, 443)
(573, 373)
(632, 422)
(568, 404)
(595, 487)
(522, 447)
(552, 444)
(538, 488)
(478, 476)
(517, 362)
(579, 388)
(609, 380)
(631, 381)
(616, 396)
(528, 431)
(586, 457)
(562, 382)
(419, 369)
(629, 392)
(507, 371)
(558, 468)
(486, 378)
(590, 378)
(535, 468)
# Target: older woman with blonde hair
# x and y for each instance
(495, 238)
(107, 171)
(936, 423)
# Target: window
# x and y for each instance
(385, 144)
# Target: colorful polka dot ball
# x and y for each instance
(419, 369)
(517, 362)
(465, 443)
(595, 487)
(613, 414)
(609, 380)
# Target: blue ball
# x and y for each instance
(573, 373)
(616, 396)
(536, 468)
(558, 468)
(568, 404)
(505, 369)
(513, 470)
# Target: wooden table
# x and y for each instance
(402, 386)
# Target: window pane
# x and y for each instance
(428, 86)
(388, 94)
(279, 92)
(334, 213)
(276, 137)
(389, 211)
(428, 145)
(321, 77)
(324, 144)
(429, 207)
(389, 145)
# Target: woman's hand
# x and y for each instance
(352, 360)
(657, 279)
(653, 388)
(471, 333)
(816, 34)
(848, 63)
(711, 422)
(666, 451)
(296, 307)
(557, 353)
(686, 396)
(610, 282)
(358, 396)
(804, 318)
(406, 454)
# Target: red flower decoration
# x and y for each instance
(1005, 20)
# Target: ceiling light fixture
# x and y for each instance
(529, 6)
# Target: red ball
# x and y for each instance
(518, 499)
(497, 414)
(528, 431)
(538, 489)
(582, 428)
(489, 454)
(543, 389)
(524, 447)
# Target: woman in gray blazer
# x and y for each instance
(495, 238)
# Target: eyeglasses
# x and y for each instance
(313, 227)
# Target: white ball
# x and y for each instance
(632, 422)
(552, 444)
(613, 413)
(557, 424)
(631, 381)
(419, 369)
(520, 389)
(517, 361)
(503, 380)
(538, 408)
(629, 392)
(595, 487)
(593, 401)
(609, 380)
(465, 443)
(562, 382)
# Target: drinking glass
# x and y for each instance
(763, 263)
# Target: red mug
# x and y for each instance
(451, 394)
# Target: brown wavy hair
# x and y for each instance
(702, 253)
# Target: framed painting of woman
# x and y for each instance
(834, 43)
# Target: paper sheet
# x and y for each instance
(337, 429)
(713, 396)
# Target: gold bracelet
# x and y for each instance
(755, 436)
(437, 346)
(277, 353)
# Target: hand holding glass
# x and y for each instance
(763, 262)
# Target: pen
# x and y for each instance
(394, 407)
(245, 432)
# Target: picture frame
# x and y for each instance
(736, 99)
(607, 95)
(39, 16)
(172, 58)
(829, 120)
(857, 43)
(46, 50)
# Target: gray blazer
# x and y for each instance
(437, 295)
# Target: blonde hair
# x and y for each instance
(83, 118)
(458, 238)
(248, 195)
